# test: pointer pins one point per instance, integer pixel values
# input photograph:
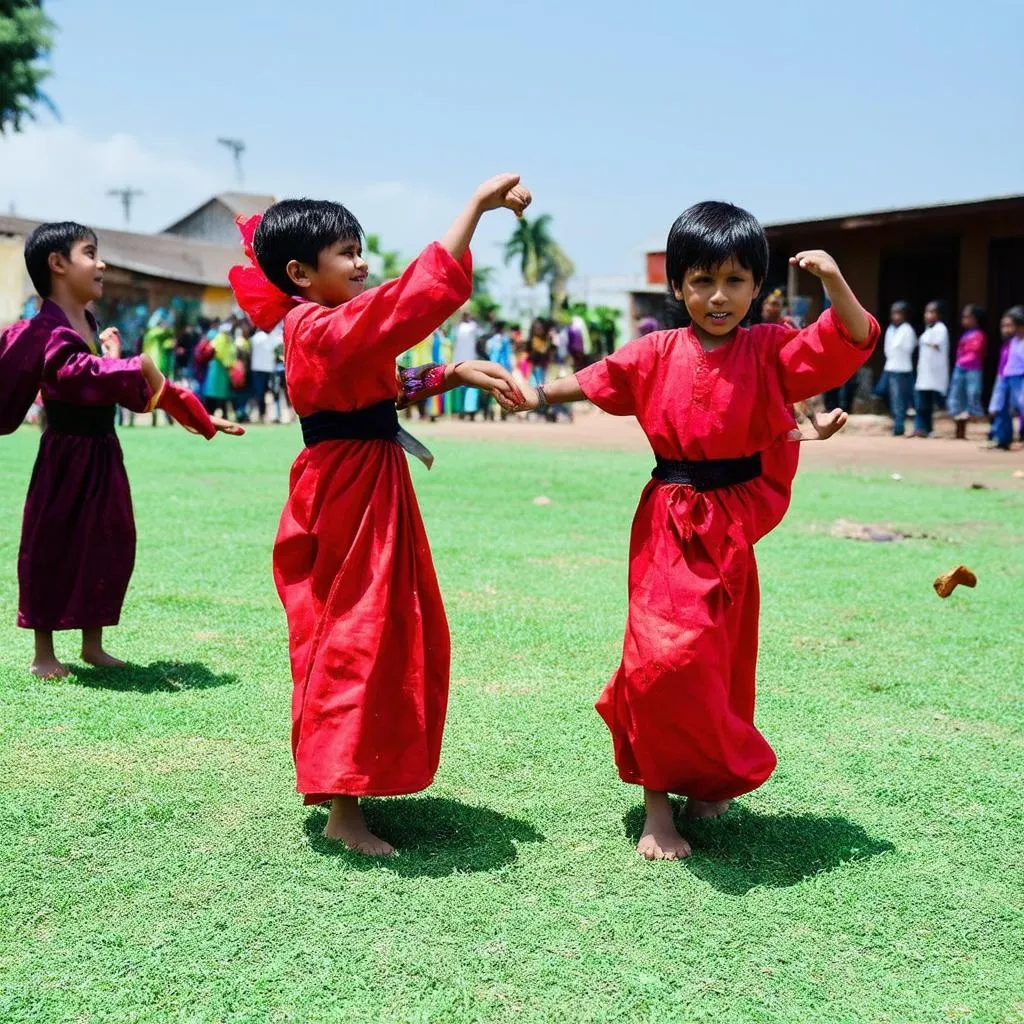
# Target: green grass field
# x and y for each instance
(156, 864)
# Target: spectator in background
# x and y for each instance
(1011, 378)
(499, 350)
(466, 400)
(772, 311)
(900, 342)
(264, 371)
(932, 370)
(217, 390)
(964, 397)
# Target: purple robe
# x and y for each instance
(78, 534)
(21, 369)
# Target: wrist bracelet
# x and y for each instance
(542, 399)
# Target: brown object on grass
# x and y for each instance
(949, 581)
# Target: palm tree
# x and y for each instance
(540, 258)
(557, 271)
(530, 245)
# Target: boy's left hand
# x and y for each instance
(829, 424)
(816, 262)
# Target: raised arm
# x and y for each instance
(828, 352)
(389, 319)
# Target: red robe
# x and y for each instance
(681, 705)
(368, 636)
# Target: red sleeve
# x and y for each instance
(820, 356)
(611, 383)
(387, 320)
(79, 377)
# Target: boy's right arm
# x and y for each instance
(396, 315)
(503, 190)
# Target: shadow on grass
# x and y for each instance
(161, 676)
(434, 837)
(743, 850)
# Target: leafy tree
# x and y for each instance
(26, 35)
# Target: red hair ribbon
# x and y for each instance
(262, 302)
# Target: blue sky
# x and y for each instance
(617, 115)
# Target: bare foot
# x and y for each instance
(49, 668)
(100, 658)
(660, 840)
(706, 808)
(345, 824)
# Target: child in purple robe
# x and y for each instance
(78, 535)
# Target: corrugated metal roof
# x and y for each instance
(243, 204)
(166, 256)
(873, 218)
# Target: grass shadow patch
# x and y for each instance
(434, 836)
(744, 850)
(159, 677)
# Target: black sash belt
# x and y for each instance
(84, 420)
(374, 423)
(709, 474)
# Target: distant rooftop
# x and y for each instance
(238, 204)
(165, 256)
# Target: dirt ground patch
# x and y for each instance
(866, 444)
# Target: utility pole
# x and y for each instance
(237, 147)
(126, 195)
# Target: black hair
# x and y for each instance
(940, 307)
(1016, 314)
(978, 312)
(902, 307)
(59, 237)
(708, 234)
(300, 229)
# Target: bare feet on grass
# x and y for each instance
(93, 653)
(49, 668)
(45, 663)
(660, 839)
(706, 808)
(345, 824)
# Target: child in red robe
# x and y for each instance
(715, 400)
(78, 535)
(368, 637)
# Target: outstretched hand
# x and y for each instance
(492, 378)
(225, 426)
(503, 190)
(825, 425)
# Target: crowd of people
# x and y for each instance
(922, 374)
(238, 370)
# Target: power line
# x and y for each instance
(237, 147)
(127, 196)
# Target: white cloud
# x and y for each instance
(59, 172)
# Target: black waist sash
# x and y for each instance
(377, 422)
(84, 420)
(709, 474)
